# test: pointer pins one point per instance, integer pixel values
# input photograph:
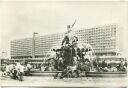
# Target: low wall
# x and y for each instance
(88, 74)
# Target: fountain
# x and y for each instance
(72, 56)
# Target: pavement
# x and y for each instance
(46, 81)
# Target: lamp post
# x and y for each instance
(33, 44)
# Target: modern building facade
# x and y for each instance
(104, 40)
(21, 48)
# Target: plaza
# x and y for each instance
(63, 44)
(67, 82)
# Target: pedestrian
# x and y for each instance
(7, 70)
(15, 72)
(21, 72)
(3, 69)
(28, 69)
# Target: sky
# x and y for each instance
(19, 19)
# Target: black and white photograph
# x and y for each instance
(63, 44)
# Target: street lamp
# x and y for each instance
(33, 44)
